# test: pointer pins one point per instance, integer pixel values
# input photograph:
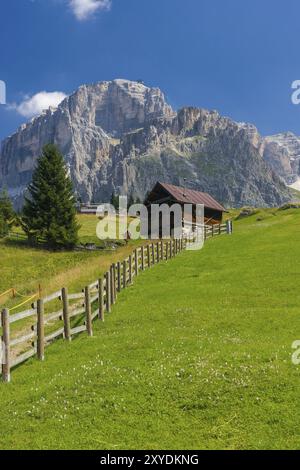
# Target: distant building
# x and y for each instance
(88, 208)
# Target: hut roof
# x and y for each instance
(190, 196)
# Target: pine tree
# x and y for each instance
(7, 214)
(3, 227)
(49, 212)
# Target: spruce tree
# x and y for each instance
(3, 227)
(49, 211)
(7, 214)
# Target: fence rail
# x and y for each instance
(77, 311)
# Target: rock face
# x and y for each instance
(121, 106)
(282, 152)
(122, 136)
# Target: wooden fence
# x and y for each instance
(64, 314)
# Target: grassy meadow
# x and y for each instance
(24, 268)
(195, 355)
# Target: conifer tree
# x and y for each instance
(49, 211)
(7, 214)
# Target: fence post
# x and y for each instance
(171, 248)
(112, 289)
(107, 292)
(124, 275)
(153, 253)
(88, 311)
(136, 262)
(148, 256)
(229, 227)
(157, 254)
(143, 258)
(114, 283)
(130, 269)
(5, 345)
(40, 330)
(101, 300)
(162, 250)
(119, 276)
(67, 328)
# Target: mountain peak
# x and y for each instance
(120, 105)
(282, 151)
(122, 136)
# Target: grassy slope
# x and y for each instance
(197, 354)
(25, 268)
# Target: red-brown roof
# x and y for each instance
(190, 196)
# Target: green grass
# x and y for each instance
(196, 355)
(24, 268)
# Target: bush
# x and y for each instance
(290, 205)
(246, 212)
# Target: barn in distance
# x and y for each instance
(164, 193)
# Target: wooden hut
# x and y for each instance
(164, 193)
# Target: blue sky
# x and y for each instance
(234, 56)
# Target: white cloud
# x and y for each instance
(34, 105)
(84, 9)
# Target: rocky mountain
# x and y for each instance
(122, 136)
(282, 152)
